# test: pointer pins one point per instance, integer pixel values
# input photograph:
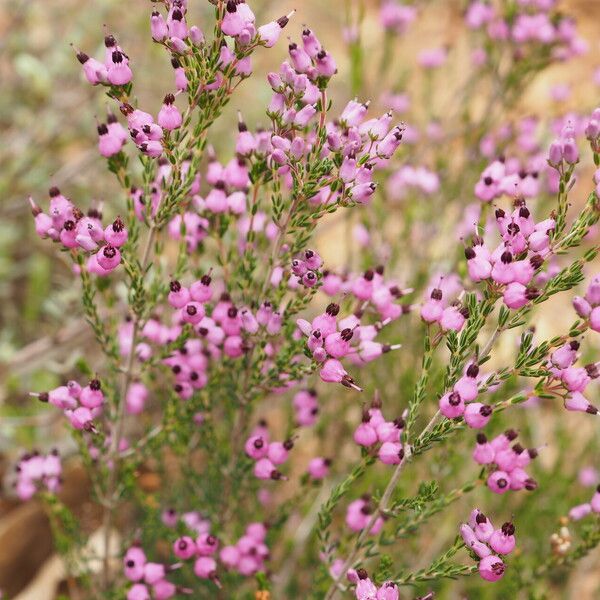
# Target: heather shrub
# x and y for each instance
(356, 344)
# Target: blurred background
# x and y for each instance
(48, 130)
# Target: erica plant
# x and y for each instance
(329, 335)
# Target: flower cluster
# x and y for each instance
(375, 430)
(529, 28)
(588, 306)
(449, 316)
(66, 224)
(113, 70)
(145, 133)
(582, 510)
(81, 405)
(306, 268)
(36, 472)
(460, 402)
(372, 292)
(149, 579)
(507, 177)
(484, 540)
(367, 590)
(229, 185)
(512, 265)
(592, 133)
(563, 152)
(267, 454)
(573, 379)
(359, 513)
(174, 31)
(248, 555)
(239, 20)
(152, 136)
(222, 329)
(354, 145)
(409, 179)
(507, 462)
(330, 339)
(396, 16)
(306, 407)
(193, 520)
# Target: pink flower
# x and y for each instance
(502, 541)
(95, 71)
(452, 405)
(169, 117)
(205, 567)
(580, 511)
(477, 415)
(432, 58)
(498, 482)
(333, 371)
(391, 453)
(269, 33)
(119, 72)
(318, 468)
(491, 568)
